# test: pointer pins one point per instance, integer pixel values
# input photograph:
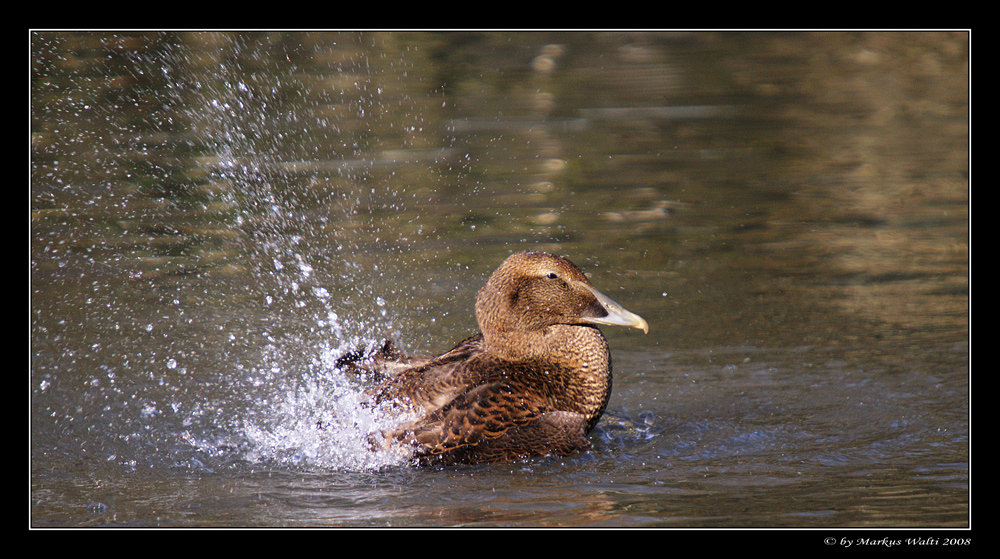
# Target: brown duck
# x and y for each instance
(533, 383)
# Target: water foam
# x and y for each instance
(318, 417)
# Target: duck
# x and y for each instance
(533, 382)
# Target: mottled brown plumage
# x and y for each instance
(534, 382)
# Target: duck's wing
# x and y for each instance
(379, 363)
(387, 360)
(429, 383)
(494, 422)
(483, 412)
(559, 433)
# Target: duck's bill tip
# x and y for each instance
(635, 321)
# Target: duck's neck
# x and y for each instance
(579, 353)
(583, 346)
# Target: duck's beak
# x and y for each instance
(617, 315)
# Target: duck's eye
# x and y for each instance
(551, 275)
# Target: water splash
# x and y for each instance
(301, 410)
(317, 419)
(240, 247)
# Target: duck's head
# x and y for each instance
(532, 290)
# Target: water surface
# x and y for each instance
(215, 217)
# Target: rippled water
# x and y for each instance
(216, 217)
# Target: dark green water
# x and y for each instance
(214, 217)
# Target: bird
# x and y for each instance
(533, 382)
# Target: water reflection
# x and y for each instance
(215, 215)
